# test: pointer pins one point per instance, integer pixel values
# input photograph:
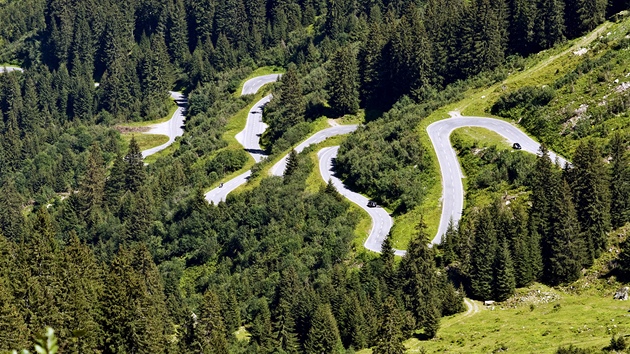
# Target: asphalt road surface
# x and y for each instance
(280, 166)
(452, 188)
(381, 221)
(250, 87)
(10, 68)
(248, 137)
(172, 128)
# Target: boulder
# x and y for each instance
(622, 294)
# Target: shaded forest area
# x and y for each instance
(135, 260)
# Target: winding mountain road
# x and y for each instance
(381, 221)
(248, 137)
(172, 128)
(452, 187)
(280, 166)
(251, 86)
(10, 68)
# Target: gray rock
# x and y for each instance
(622, 294)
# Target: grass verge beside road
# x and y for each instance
(145, 141)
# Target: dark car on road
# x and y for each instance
(372, 204)
(516, 146)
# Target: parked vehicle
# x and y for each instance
(516, 146)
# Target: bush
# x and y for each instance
(525, 98)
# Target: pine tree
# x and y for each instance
(521, 26)
(134, 167)
(619, 181)
(323, 337)
(178, 33)
(504, 277)
(550, 23)
(369, 66)
(483, 256)
(11, 217)
(224, 57)
(92, 187)
(591, 194)
(210, 330)
(343, 82)
(261, 330)
(419, 278)
(115, 183)
(562, 247)
(292, 164)
(387, 258)
(80, 298)
(284, 328)
(13, 330)
(538, 222)
(389, 339)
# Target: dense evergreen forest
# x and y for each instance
(119, 257)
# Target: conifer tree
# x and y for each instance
(504, 273)
(619, 181)
(419, 278)
(522, 25)
(369, 63)
(538, 222)
(13, 330)
(343, 82)
(483, 256)
(284, 328)
(115, 183)
(591, 194)
(261, 327)
(224, 57)
(323, 337)
(561, 249)
(389, 339)
(11, 217)
(387, 258)
(292, 164)
(80, 298)
(550, 23)
(178, 33)
(134, 167)
(210, 330)
(91, 189)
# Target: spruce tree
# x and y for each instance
(619, 181)
(292, 164)
(134, 167)
(561, 249)
(591, 194)
(419, 278)
(13, 330)
(343, 85)
(387, 258)
(483, 256)
(210, 330)
(550, 23)
(284, 328)
(11, 217)
(115, 183)
(543, 177)
(261, 329)
(504, 273)
(323, 337)
(91, 189)
(389, 339)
